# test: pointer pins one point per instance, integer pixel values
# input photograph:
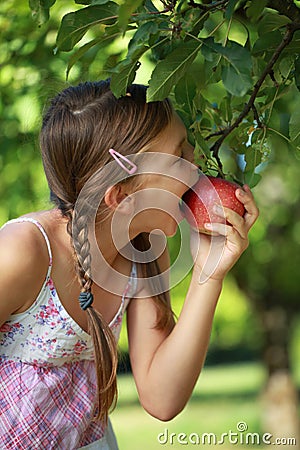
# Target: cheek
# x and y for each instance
(157, 202)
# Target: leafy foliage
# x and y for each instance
(29, 75)
(237, 58)
(74, 25)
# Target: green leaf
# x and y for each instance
(143, 34)
(255, 9)
(80, 52)
(124, 73)
(124, 77)
(237, 69)
(236, 141)
(297, 3)
(40, 10)
(202, 148)
(210, 51)
(294, 129)
(150, 6)
(91, 2)
(286, 66)
(74, 25)
(230, 8)
(297, 72)
(185, 91)
(253, 157)
(169, 71)
(294, 46)
(235, 81)
(226, 108)
(252, 179)
(271, 22)
(192, 21)
(125, 10)
(163, 47)
(100, 41)
(267, 43)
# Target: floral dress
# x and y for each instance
(48, 377)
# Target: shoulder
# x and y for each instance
(24, 262)
(21, 244)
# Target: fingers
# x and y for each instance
(245, 196)
(232, 223)
(221, 229)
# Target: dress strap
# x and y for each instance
(132, 282)
(42, 230)
(133, 273)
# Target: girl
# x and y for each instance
(58, 354)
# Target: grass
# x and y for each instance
(223, 397)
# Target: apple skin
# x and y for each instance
(198, 202)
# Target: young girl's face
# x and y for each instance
(171, 172)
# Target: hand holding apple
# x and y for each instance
(209, 192)
(226, 238)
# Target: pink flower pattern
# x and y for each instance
(48, 375)
(9, 331)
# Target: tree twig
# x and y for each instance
(290, 30)
(213, 5)
(256, 116)
(286, 7)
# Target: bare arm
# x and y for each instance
(23, 265)
(166, 364)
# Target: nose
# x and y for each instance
(194, 169)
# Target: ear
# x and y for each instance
(116, 198)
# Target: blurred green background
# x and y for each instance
(252, 372)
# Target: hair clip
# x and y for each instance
(119, 158)
(85, 300)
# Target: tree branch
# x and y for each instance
(205, 7)
(256, 116)
(290, 30)
(286, 7)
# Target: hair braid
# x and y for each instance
(105, 346)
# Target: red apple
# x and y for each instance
(198, 202)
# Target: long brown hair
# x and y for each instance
(81, 124)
